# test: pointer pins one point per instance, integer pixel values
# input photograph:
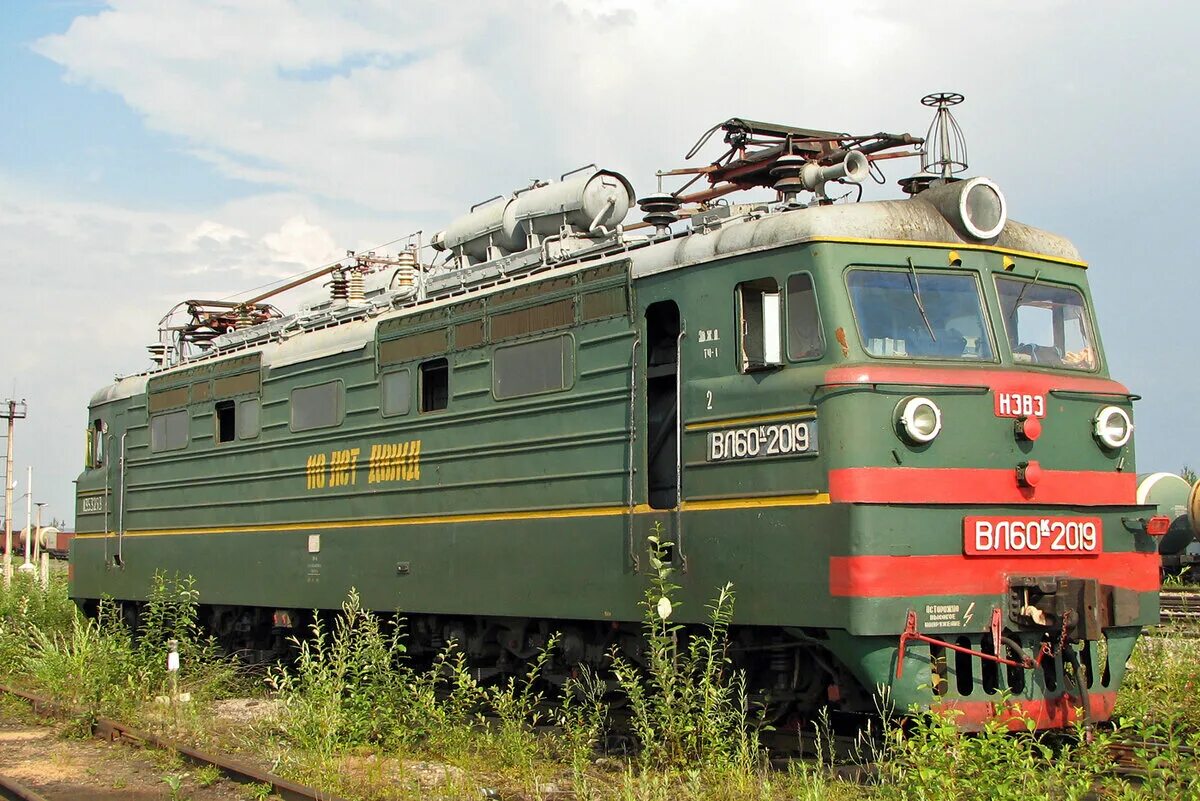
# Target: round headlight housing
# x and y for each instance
(919, 420)
(1112, 427)
(982, 208)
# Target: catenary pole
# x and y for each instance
(27, 566)
(12, 413)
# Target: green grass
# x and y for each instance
(356, 717)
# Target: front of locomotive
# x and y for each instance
(997, 563)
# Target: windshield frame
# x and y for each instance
(986, 325)
(1034, 281)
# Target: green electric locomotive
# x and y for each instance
(889, 424)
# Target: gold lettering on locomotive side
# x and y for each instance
(342, 466)
(315, 471)
(389, 461)
(395, 461)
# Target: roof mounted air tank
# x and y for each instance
(584, 201)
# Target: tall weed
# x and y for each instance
(688, 708)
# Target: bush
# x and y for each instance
(27, 608)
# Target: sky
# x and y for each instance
(154, 150)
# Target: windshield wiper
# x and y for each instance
(1020, 295)
(916, 290)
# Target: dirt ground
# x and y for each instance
(38, 755)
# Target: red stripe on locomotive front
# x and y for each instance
(979, 485)
(1046, 713)
(1001, 380)
(878, 576)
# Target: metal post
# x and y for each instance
(27, 566)
(37, 528)
(40, 556)
(8, 488)
(13, 414)
(173, 672)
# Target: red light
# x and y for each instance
(1158, 525)
(1029, 428)
(1029, 474)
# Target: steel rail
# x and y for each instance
(1179, 606)
(13, 790)
(234, 769)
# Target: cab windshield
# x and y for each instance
(920, 314)
(1046, 324)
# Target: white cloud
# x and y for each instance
(300, 242)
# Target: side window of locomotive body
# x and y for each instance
(1047, 324)
(435, 384)
(760, 325)
(533, 368)
(236, 419)
(922, 314)
(318, 406)
(170, 431)
(225, 415)
(804, 337)
(249, 411)
(395, 393)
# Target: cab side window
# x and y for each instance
(760, 339)
(805, 339)
(95, 443)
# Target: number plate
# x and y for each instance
(1032, 536)
(1020, 404)
(763, 442)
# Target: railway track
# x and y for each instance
(12, 790)
(1179, 607)
(113, 731)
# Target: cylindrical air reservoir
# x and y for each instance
(582, 199)
(1169, 493)
(484, 227)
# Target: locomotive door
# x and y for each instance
(663, 458)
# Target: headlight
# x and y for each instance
(982, 208)
(919, 419)
(1113, 427)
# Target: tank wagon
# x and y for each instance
(889, 424)
(1177, 504)
(48, 538)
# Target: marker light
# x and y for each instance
(1029, 474)
(1028, 428)
(982, 208)
(1158, 525)
(1113, 427)
(919, 419)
